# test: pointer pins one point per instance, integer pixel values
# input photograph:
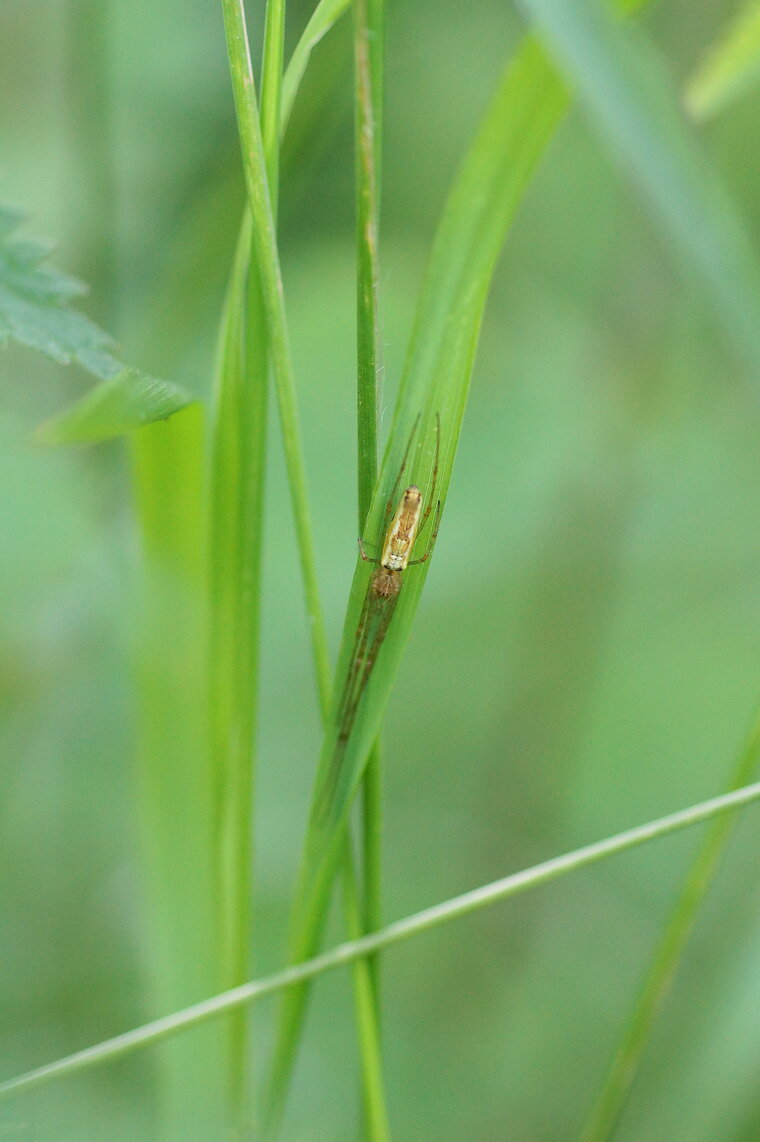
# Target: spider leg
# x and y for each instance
(363, 553)
(434, 476)
(431, 541)
(394, 493)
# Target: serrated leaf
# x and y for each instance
(33, 308)
(122, 404)
(33, 312)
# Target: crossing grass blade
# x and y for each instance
(326, 13)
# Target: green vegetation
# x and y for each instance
(186, 797)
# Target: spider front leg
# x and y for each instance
(393, 498)
(434, 477)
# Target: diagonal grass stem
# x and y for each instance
(429, 918)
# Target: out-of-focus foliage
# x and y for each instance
(731, 65)
(34, 312)
(33, 305)
(587, 654)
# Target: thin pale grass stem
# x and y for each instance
(487, 894)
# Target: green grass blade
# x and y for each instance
(174, 775)
(376, 1124)
(238, 461)
(368, 39)
(621, 80)
(256, 164)
(731, 67)
(506, 888)
(267, 260)
(529, 101)
(236, 509)
(369, 24)
(271, 93)
(666, 958)
(326, 13)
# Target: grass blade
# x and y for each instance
(529, 101)
(368, 39)
(376, 1123)
(731, 67)
(623, 84)
(326, 13)
(236, 509)
(368, 115)
(264, 241)
(168, 465)
(513, 885)
(267, 260)
(666, 958)
(238, 460)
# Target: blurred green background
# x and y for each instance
(588, 653)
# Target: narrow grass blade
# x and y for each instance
(238, 461)
(731, 67)
(262, 206)
(377, 1128)
(666, 959)
(326, 13)
(488, 894)
(516, 127)
(174, 775)
(369, 26)
(236, 509)
(368, 40)
(267, 260)
(368, 97)
(622, 81)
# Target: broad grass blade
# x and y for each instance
(175, 781)
(528, 103)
